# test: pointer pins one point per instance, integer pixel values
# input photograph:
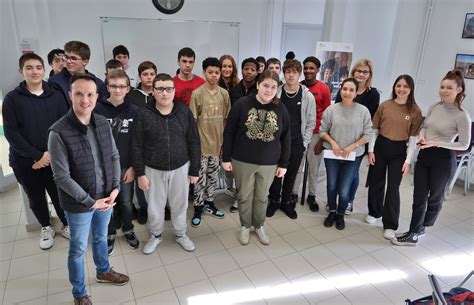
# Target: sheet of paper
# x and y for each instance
(328, 154)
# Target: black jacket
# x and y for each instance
(239, 91)
(26, 120)
(140, 98)
(165, 142)
(124, 114)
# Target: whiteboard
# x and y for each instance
(159, 41)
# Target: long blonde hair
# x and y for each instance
(364, 62)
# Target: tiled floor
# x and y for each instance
(305, 263)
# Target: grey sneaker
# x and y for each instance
(262, 236)
(65, 232)
(151, 244)
(47, 237)
(244, 235)
(185, 242)
(349, 209)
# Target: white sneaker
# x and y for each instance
(264, 239)
(370, 219)
(65, 232)
(151, 244)
(186, 243)
(349, 209)
(244, 235)
(47, 235)
(389, 234)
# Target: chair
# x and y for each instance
(464, 160)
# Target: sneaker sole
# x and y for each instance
(397, 243)
(215, 216)
(234, 210)
(112, 253)
(388, 237)
(46, 248)
(109, 282)
(195, 225)
(132, 247)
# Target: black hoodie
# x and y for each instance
(139, 97)
(26, 120)
(126, 113)
(165, 142)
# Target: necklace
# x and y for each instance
(292, 95)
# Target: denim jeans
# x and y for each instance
(125, 205)
(355, 181)
(340, 175)
(79, 225)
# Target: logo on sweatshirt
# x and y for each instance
(261, 125)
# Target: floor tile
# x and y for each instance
(320, 257)
(15, 290)
(201, 292)
(277, 247)
(185, 272)
(217, 263)
(293, 265)
(29, 265)
(149, 282)
(264, 274)
(247, 255)
(207, 244)
(167, 297)
(300, 240)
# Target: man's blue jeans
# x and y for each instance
(340, 175)
(79, 225)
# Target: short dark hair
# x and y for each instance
(187, 52)
(29, 56)
(267, 74)
(314, 60)
(83, 76)
(260, 59)
(120, 49)
(162, 77)
(113, 64)
(79, 48)
(292, 64)
(53, 53)
(250, 60)
(117, 74)
(145, 66)
(272, 61)
(350, 80)
(211, 62)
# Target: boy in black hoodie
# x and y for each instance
(28, 112)
(165, 155)
(120, 112)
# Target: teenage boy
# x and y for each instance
(302, 109)
(120, 113)
(77, 56)
(86, 168)
(56, 61)
(322, 96)
(247, 85)
(210, 105)
(165, 156)
(185, 81)
(110, 65)
(142, 96)
(121, 54)
(274, 65)
(28, 112)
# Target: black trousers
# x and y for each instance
(389, 156)
(433, 170)
(36, 182)
(284, 186)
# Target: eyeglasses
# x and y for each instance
(163, 89)
(121, 87)
(71, 58)
(362, 71)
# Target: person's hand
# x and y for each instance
(113, 196)
(144, 183)
(193, 179)
(347, 150)
(227, 166)
(336, 149)
(405, 168)
(428, 144)
(371, 158)
(280, 172)
(102, 204)
(129, 175)
(43, 162)
(421, 140)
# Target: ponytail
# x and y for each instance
(458, 77)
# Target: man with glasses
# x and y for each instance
(165, 155)
(77, 55)
(56, 61)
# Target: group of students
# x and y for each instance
(85, 142)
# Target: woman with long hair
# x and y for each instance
(257, 143)
(229, 76)
(396, 123)
(444, 121)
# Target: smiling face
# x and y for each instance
(84, 96)
(249, 73)
(227, 68)
(33, 72)
(310, 71)
(348, 91)
(74, 63)
(448, 90)
(118, 88)
(362, 74)
(402, 89)
(267, 90)
(58, 63)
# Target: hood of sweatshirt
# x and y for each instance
(21, 89)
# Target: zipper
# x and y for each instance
(168, 138)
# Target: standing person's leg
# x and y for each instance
(212, 176)
(244, 174)
(332, 169)
(344, 181)
(79, 226)
(52, 189)
(274, 196)
(199, 189)
(288, 206)
(378, 176)
(112, 231)
(142, 204)
(263, 178)
(229, 184)
(156, 197)
(177, 185)
(314, 162)
(125, 204)
(354, 187)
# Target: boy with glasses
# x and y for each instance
(120, 113)
(210, 105)
(165, 156)
(77, 56)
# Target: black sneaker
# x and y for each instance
(110, 244)
(422, 232)
(407, 239)
(288, 208)
(273, 206)
(294, 198)
(235, 207)
(167, 213)
(142, 216)
(196, 221)
(210, 208)
(329, 221)
(340, 224)
(313, 205)
(132, 240)
(349, 209)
